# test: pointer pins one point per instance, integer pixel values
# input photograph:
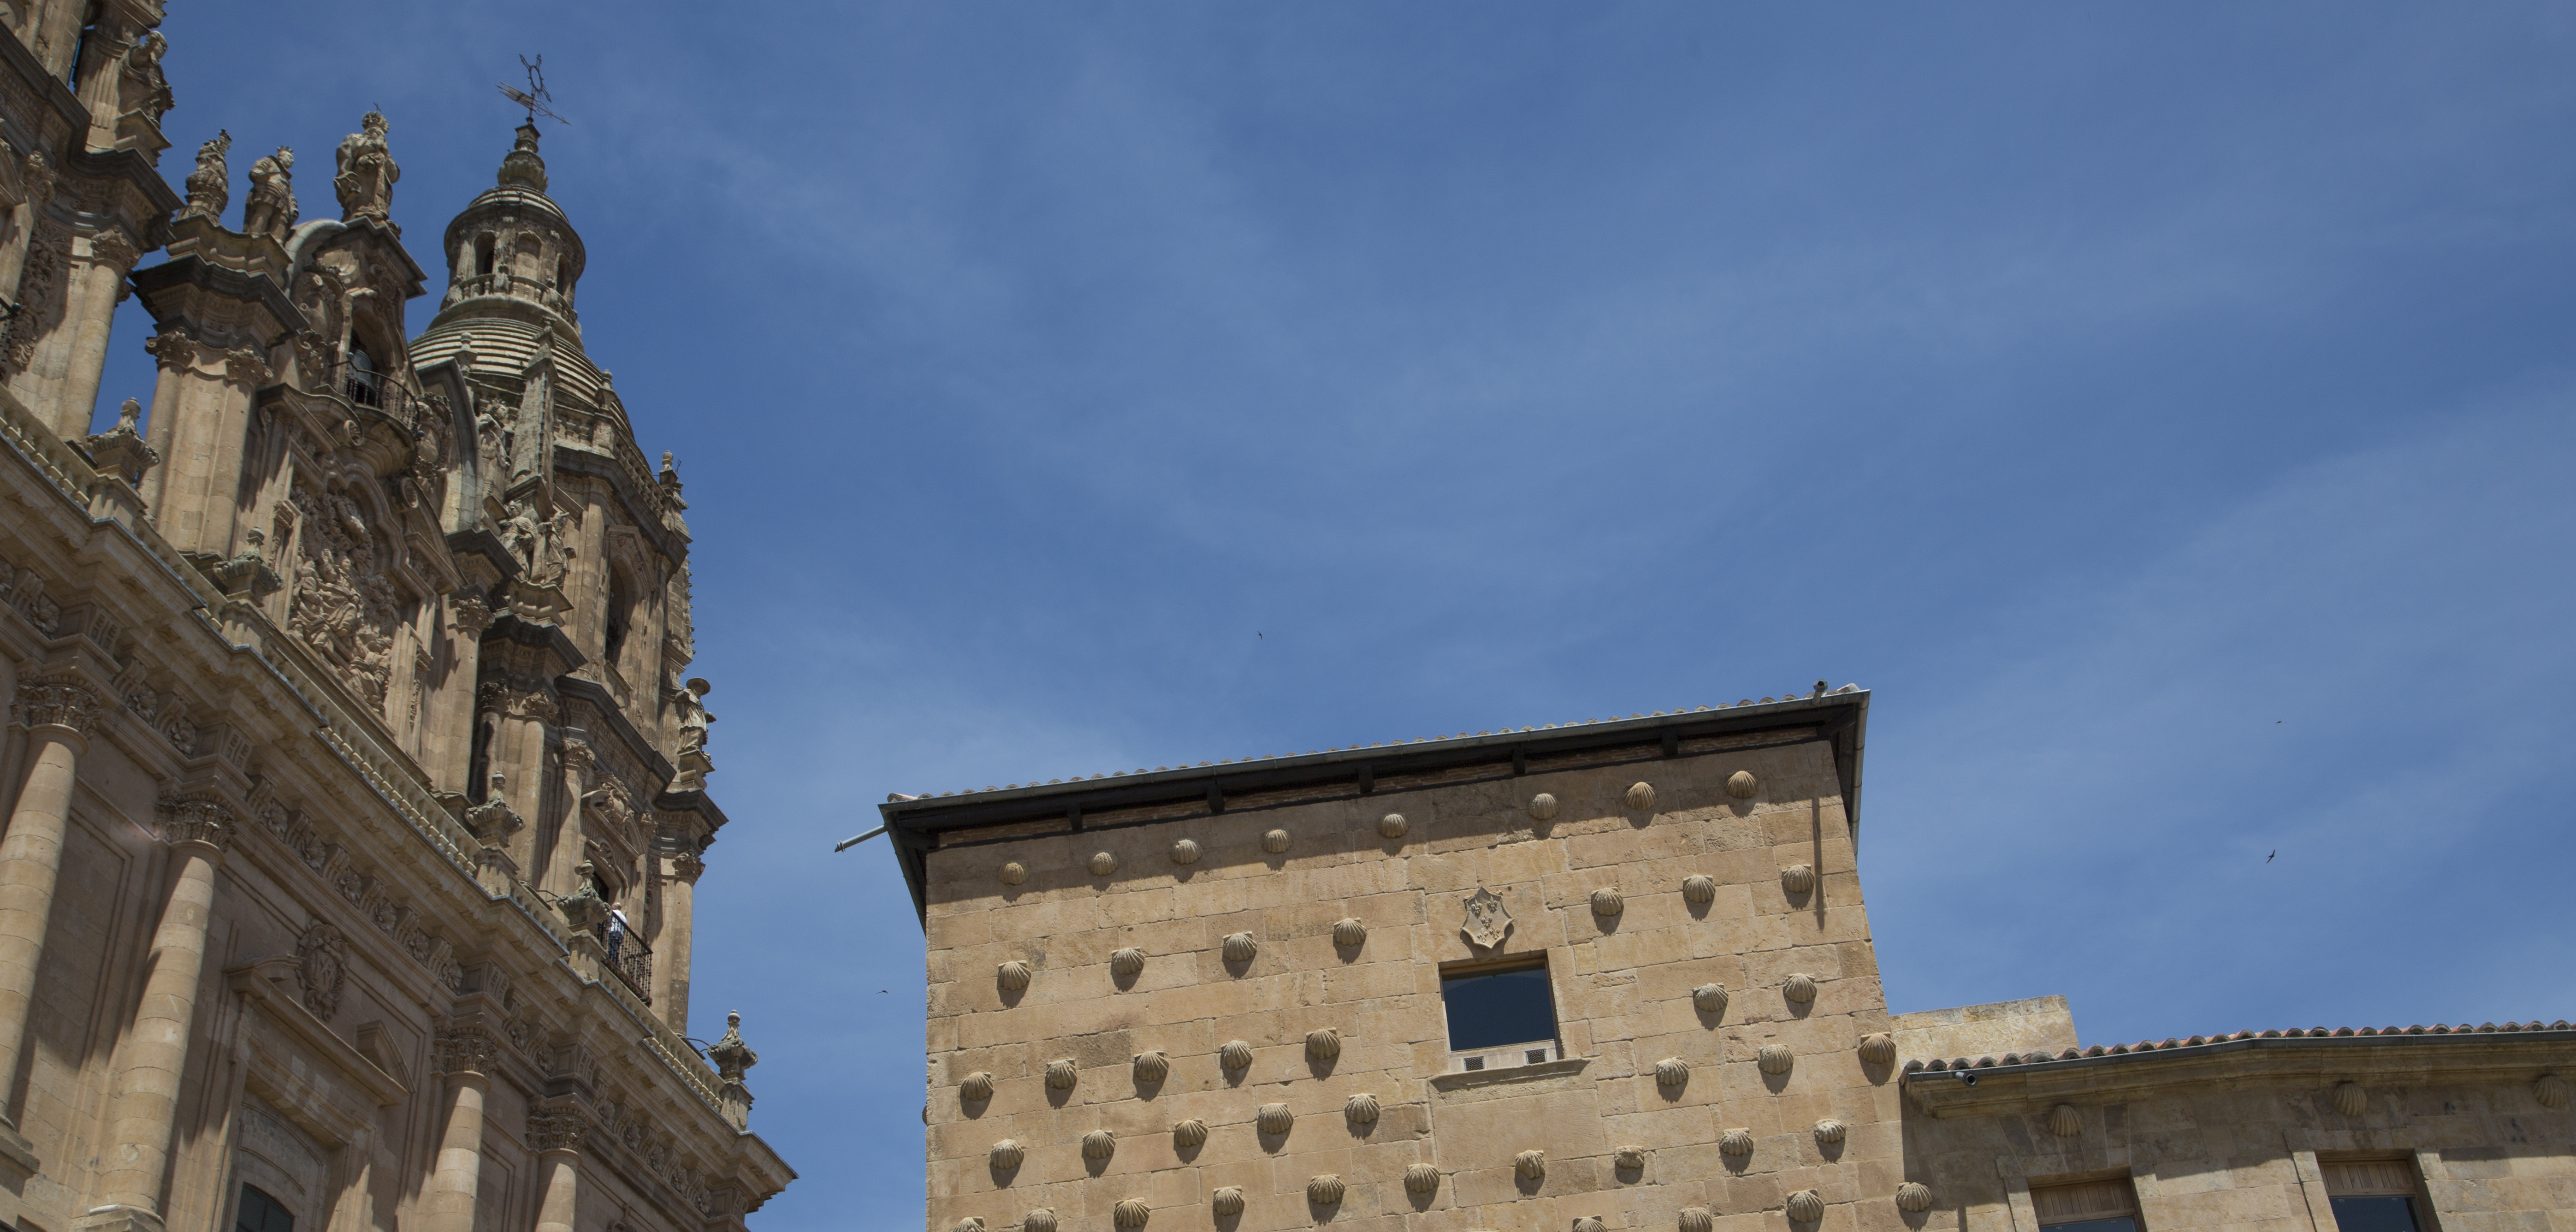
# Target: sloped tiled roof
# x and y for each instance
(1937, 1065)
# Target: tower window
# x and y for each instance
(621, 603)
(1500, 1016)
(261, 1213)
(363, 388)
(563, 274)
(483, 254)
(2372, 1195)
(2086, 1206)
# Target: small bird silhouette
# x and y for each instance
(2276, 854)
(1256, 633)
(2278, 722)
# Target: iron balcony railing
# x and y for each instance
(629, 957)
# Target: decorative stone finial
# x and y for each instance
(521, 168)
(731, 1055)
(583, 908)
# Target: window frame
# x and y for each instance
(1512, 1054)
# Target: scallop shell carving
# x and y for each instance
(1061, 1074)
(1189, 1135)
(1699, 888)
(1152, 1067)
(1126, 964)
(2550, 1090)
(1914, 1196)
(1798, 878)
(1013, 976)
(1235, 1055)
(1671, 1072)
(1099, 1144)
(1590, 1223)
(976, 1087)
(1697, 1219)
(1349, 934)
(1103, 864)
(1736, 1142)
(971, 1223)
(1641, 797)
(1709, 998)
(2350, 1099)
(1007, 1155)
(1799, 988)
(1630, 1159)
(1740, 784)
(1014, 873)
(1185, 851)
(1274, 842)
(1421, 1179)
(1542, 807)
(1806, 1206)
(2064, 1121)
(1392, 825)
(1607, 903)
(1360, 1109)
(1226, 1202)
(1324, 1044)
(1877, 1048)
(1830, 1131)
(1130, 1213)
(1039, 1220)
(1775, 1058)
(1240, 947)
(1274, 1119)
(1530, 1165)
(1325, 1190)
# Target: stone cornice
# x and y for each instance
(160, 287)
(2319, 1061)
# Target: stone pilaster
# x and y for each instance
(143, 1096)
(200, 423)
(454, 1180)
(556, 1134)
(671, 946)
(58, 714)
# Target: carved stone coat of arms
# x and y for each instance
(1487, 922)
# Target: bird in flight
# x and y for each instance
(2276, 854)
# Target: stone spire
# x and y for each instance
(521, 168)
(512, 248)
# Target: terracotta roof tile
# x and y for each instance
(1937, 1065)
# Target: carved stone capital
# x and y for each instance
(57, 702)
(197, 818)
(471, 616)
(519, 698)
(110, 248)
(687, 867)
(247, 368)
(562, 1127)
(175, 350)
(466, 1050)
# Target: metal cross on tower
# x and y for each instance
(535, 97)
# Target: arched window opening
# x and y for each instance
(365, 386)
(259, 1212)
(621, 615)
(563, 275)
(483, 255)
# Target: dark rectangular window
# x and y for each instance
(261, 1213)
(2372, 1195)
(2086, 1206)
(1493, 1006)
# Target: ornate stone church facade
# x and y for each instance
(1606, 975)
(356, 792)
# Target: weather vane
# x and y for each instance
(534, 98)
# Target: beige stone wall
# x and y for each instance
(2033, 1024)
(1622, 989)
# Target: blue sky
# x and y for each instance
(2164, 409)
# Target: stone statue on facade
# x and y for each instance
(146, 93)
(691, 703)
(367, 172)
(271, 208)
(210, 185)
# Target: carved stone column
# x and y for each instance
(454, 1180)
(143, 1096)
(556, 1134)
(63, 367)
(57, 714)
(200, 423)
(671, 945)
